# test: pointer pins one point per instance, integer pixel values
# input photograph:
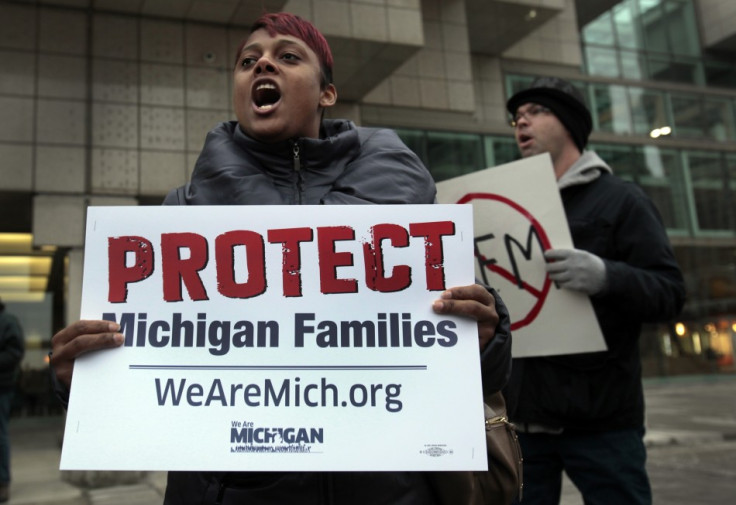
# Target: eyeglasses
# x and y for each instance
(533, 111)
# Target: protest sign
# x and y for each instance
(518, 214)
(277, 338)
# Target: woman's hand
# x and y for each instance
(78, 338)
(475, 302)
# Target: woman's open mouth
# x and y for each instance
(265, 96)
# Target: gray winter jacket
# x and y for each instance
(347, 165)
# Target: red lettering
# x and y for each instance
(177, 270)
(119, 275)
(255, 260)
(375, 275)
(329, 259)
(291, 238)
(433, 251)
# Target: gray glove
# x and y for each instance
(576, 269)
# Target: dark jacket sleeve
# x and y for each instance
(644, 275)
(495, 360)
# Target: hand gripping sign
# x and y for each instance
(518, 215)
(277, 338)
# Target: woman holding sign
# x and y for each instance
(281, 151)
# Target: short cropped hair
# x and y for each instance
(290, 24)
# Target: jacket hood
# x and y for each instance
(587, 168)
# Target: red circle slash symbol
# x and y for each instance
(535, 229)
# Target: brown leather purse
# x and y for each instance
(504, 479)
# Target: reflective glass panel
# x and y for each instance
(709, 182)
(453, 154)
(661, 177)
(515, 83)
(688, 114)
(633, 64)
(599, 31)
(602, 61)
(683, 30)
(719, 74)
(500, 150)
(620, 158)
(648, 109)
(665, 68)
(610, 108)
(627, 29)
(655, 30)
(718, 119)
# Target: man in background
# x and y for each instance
(584, 413)
(12, 348)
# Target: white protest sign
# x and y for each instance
(518, 214)
(277, 338)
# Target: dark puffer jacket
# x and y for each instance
(348, 165)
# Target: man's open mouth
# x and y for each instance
(265, 96)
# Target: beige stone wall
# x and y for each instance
(439, 75)
(557, 41)
(717, 21)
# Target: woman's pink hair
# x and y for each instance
(284, 23)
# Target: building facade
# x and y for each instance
(107, 102)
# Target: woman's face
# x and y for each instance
(276, 88)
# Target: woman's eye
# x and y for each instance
(248, 60)
(289, 56)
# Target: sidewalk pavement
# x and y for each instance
(682, 411)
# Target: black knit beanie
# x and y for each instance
(564, 100)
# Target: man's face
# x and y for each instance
(539, 131)
(276, 88)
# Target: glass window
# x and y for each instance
(682, 27)
(453, 154)
(602, 61)
(730, 197)
(666, 68)
(627, 29)
(515, 83)
(610, 108)
(633, 65)
(719, 74)
(709, 182)
(620, 158)
(688, 114)
(718, 119)
(599, 31)
(416, 140)
(661, 176)
(500, 150)
(646, 5)
(655, 30)
(648, 109)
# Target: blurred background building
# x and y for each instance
(107, 102)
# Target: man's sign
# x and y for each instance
(518, 215)
(277, 338)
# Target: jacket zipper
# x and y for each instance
(295, 150)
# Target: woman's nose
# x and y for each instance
(264, 65)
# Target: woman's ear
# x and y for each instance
(328, 96)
